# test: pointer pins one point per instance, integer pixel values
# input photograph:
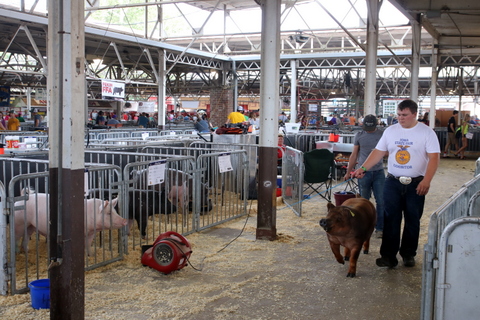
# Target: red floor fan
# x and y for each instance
(169, 252)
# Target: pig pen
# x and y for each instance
(27, 265)
(294, 277)
(225, 190)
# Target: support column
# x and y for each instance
(416, 34)
(162, 66)
(475, 92)
(371, 62)
(293, 92)
(460, 95)
(433, 88)
(221, 101)
(269, 101)
(66, 110)
(235, 87)
(29, 100)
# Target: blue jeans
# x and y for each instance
(374, 180)
(401, 200)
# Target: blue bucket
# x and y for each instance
(279, 182)
(40, 293)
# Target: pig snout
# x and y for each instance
(324, 224)
(118, 223)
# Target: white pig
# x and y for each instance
(99, 216)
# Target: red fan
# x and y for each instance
(169, 252)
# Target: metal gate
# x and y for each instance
(292, 179)
(154, 208)
(228, 189)
(28, 203)
(456, 293)
(462, 204)
(3, 242)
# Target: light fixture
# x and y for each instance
(299, 37)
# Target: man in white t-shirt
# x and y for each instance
(413, 156)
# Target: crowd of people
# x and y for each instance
(11, 121)
(456, 133)
(108, 118)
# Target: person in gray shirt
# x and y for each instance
(364, 142)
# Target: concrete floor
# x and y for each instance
(294, 277)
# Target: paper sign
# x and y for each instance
(145, 135)
(156, 172)
(30, 142)
(224, 163)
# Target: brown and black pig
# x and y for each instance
(351, 226)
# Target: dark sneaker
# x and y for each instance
(386, 262)
(409, 262)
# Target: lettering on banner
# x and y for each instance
(107, 87)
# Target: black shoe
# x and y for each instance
(386, 262)
(409, 262)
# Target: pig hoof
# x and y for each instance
(350, 275)
(347, 258)
(365, 251)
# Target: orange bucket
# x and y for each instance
(333, 137)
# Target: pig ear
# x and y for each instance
(348, 213)
(330, 206)
(105, 204)
(114, 202)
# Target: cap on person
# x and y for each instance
(369, 122)
(239, 108)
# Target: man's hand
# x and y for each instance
(359, 173)
(423, 187)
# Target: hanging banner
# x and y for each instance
(4, 96)
(146, 106)
(112, 89)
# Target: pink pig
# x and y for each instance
(99, 216)
(178, 194)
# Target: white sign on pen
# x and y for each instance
(156, 172)
(224, 163)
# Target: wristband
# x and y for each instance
(363, 168)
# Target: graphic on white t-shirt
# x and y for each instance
(402, 156)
